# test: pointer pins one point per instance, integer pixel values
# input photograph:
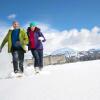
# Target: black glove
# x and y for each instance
(18, 43)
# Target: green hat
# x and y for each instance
(33, 24)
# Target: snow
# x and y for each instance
(75, 81)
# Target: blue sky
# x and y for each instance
(64, 23)
(60, 14)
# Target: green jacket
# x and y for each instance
(22, 37)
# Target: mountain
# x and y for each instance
(92, 50)
(65, 51)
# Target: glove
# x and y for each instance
(26, 47)
(41, 38)
(18, 43)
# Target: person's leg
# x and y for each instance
(21, 60)
(15, 61)
(36, 57)
(40, 52)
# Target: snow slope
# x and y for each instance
(75, 81)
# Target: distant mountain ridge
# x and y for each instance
(65, 51)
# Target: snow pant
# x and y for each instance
(38, 58)
(18, 59)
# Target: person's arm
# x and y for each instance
(26, 40)
(41, 37)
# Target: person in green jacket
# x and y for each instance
(17, 40)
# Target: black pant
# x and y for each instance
(38, 58)
(18, 59)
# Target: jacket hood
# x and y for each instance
(36, 29)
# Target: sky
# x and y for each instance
(61, 14)
(65, 23)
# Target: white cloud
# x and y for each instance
(3, 29)
(82, 39)
(12, 16)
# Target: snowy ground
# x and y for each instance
(75, 81)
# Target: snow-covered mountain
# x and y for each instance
(65, 51)
(73, 55)
(94, 50)
(68, 52)
(75, 81)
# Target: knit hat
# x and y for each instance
(33, 24)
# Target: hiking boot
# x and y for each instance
(16, 71)
(37, 69)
